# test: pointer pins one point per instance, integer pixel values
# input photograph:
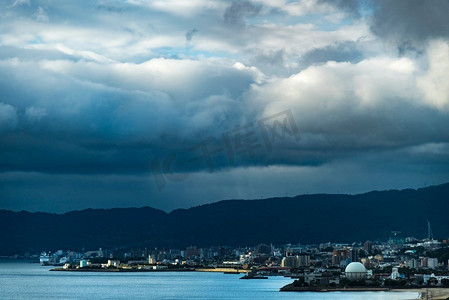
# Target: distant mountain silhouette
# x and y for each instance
(301, 219)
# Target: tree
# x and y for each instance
(394, 283)
(362, 253)
(345, 282)
(432, 281)
(328, 249)
(445, 282)
(298, 282)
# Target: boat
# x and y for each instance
(44, 259)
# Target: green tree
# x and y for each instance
(344, 282)
(445, 282)
(362, 253)
(432, 281)
(298, 282)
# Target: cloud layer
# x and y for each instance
(142, 96)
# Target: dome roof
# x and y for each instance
(355, 267)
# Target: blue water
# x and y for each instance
(22, 280)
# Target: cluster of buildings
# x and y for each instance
(397, 259)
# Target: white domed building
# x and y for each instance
(355, 271)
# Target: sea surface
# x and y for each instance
(23, 280)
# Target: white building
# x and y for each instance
(83, 263)
(113, 262)
(151, 259)
(355, 271)
(439, 278)
(412, 263)
(297, 261)
(394, 273)
(432, 263)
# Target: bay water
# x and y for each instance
(23, 280)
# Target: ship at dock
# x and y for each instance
(55, 259)
(44, 259)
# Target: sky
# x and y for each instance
(173, 104)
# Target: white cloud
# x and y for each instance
(434, 83)
(112, 85)
(369, 83)
(41, 15)
(8, 117)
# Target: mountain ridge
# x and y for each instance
(310, 218)
(227, 200)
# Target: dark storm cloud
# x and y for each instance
(84, 127)
(410, 21)
(89, 102)
(369, 171)
(238, 11)
(406, 23)
(270, 61)
(340, 52)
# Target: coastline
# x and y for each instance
(119, 270)
(115, 270)
(291, 288)
(221, 270)
(435, 293)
